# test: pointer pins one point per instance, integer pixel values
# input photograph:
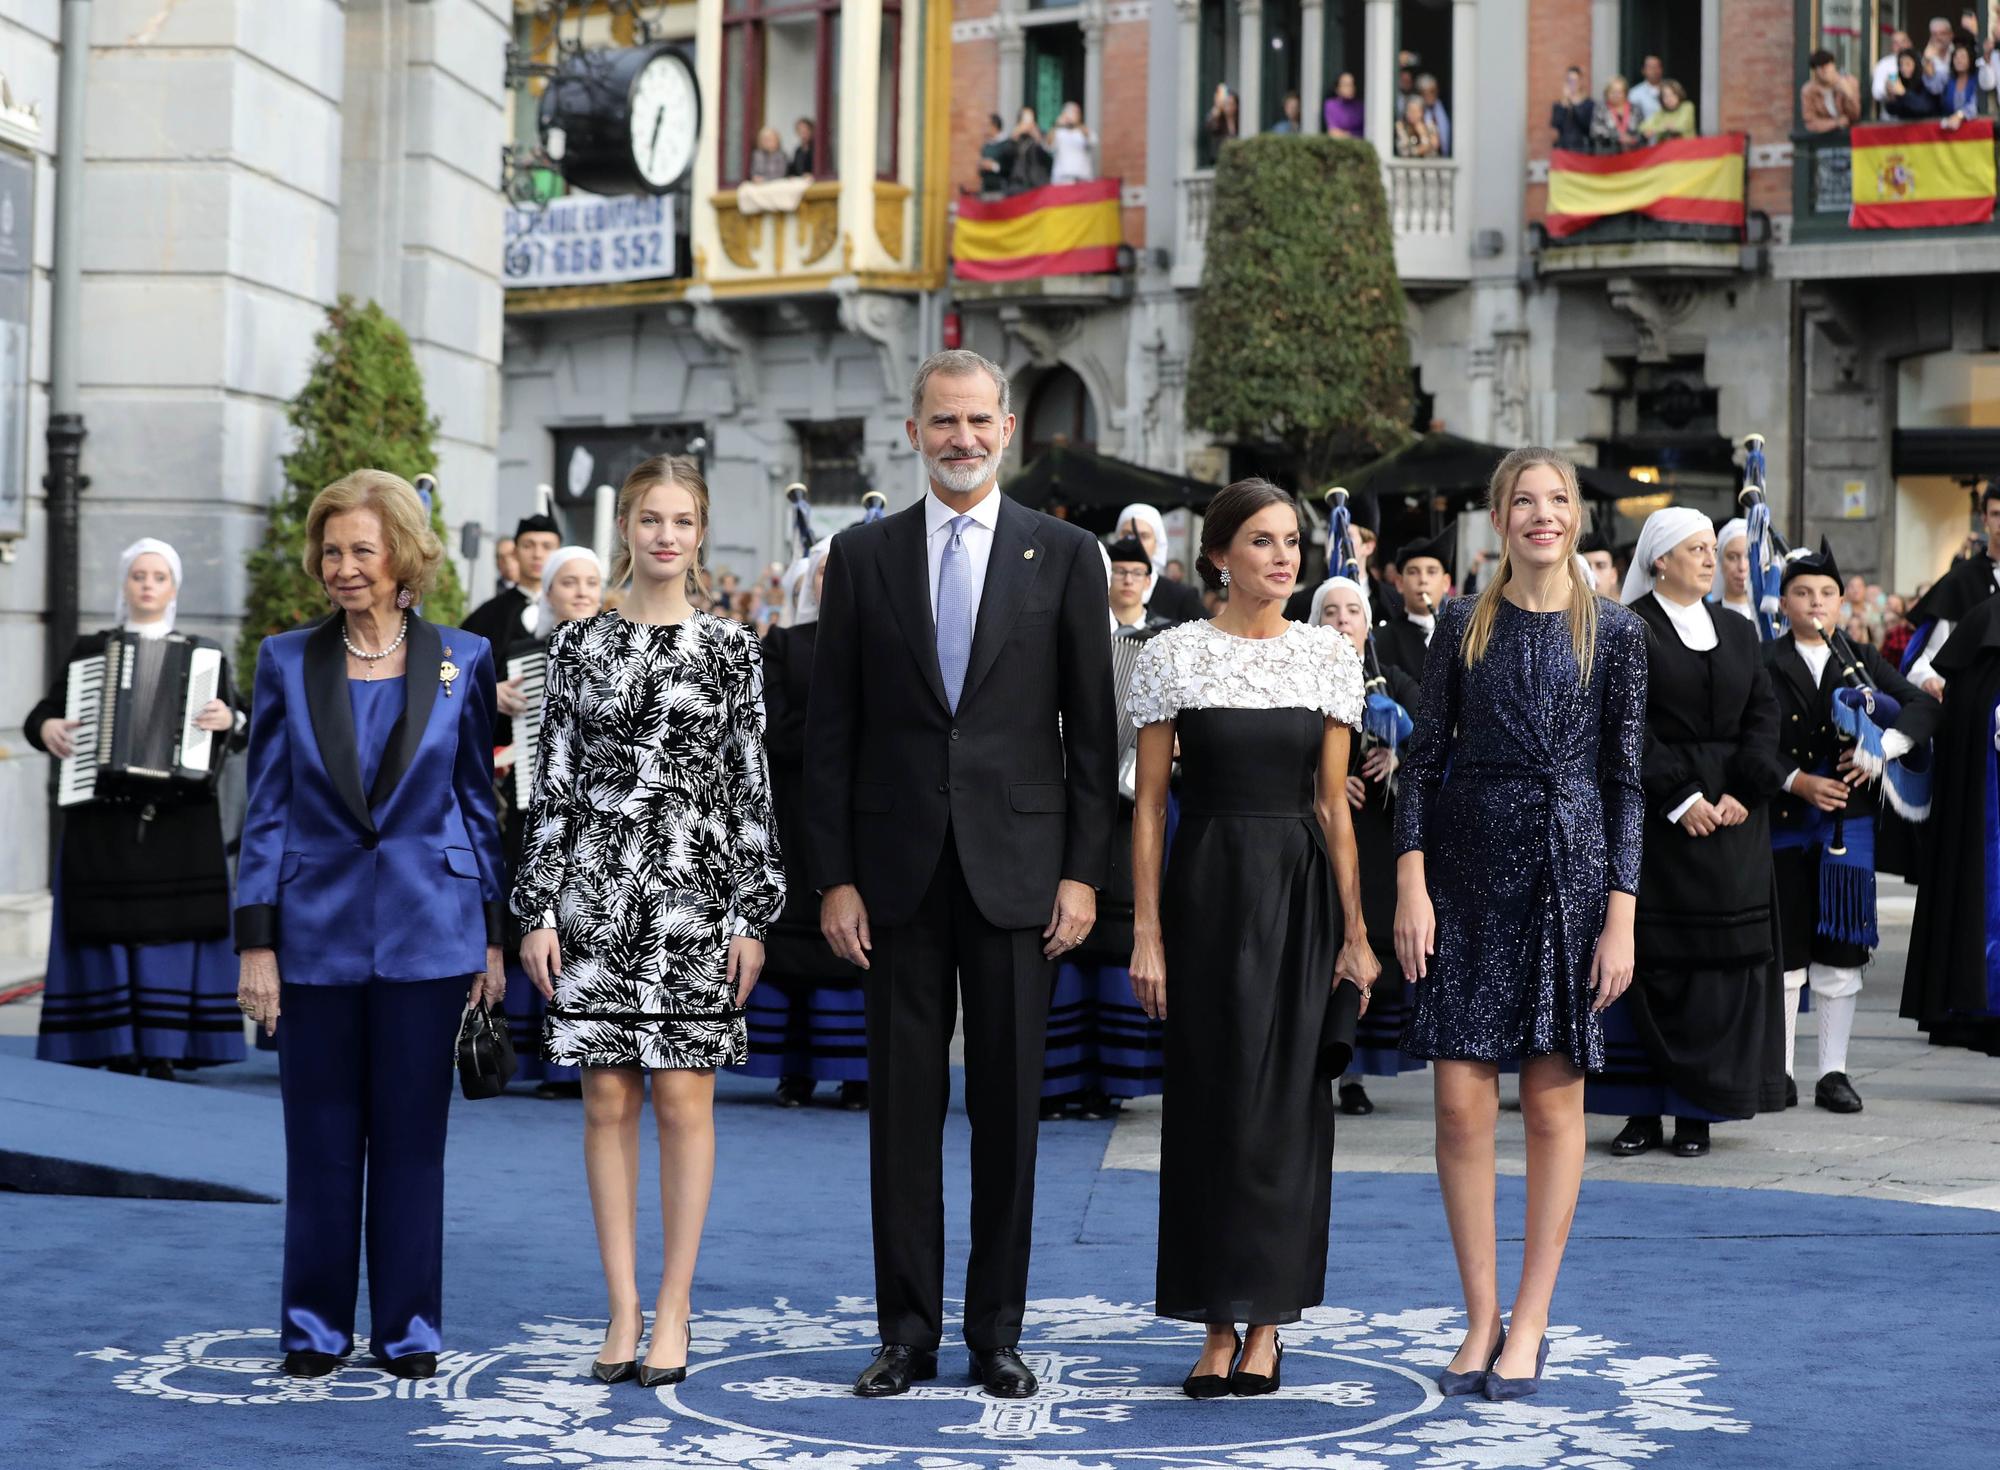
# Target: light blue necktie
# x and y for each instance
(954, 611)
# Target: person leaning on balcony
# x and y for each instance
(1646, 95)
(1222, 114)
(1675, 119)
(1937, 55)
(767, 159)
(1906, 98)
(1960, 98)
(801, 166)
(996, 156)
(1573, 113)
(1344, 118)
(1830, 99)
(1292, 119)
(1885, 69)
(1070, 144)
(1434, 113)
(1030, 169)
(1614, 123)
(1415, 136)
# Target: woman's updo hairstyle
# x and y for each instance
(662, 469)
(1226, 513)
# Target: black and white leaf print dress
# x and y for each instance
(650, 840)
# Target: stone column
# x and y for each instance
(1312, 65)
(1093, 69)
(1464, 104)
(1013, 48)
(1192, 113)
(1604, 27)
(1250, 67)
(1708, 110)
(1378, 89)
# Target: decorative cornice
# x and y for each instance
(20, 123)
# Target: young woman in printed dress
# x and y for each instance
(648, 877)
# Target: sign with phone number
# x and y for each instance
(584, 239)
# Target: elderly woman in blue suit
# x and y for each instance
(368, 892)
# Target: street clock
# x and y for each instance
(623, 122)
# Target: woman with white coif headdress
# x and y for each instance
(140, 974)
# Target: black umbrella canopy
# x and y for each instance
(1460, 470)
(1089, 489)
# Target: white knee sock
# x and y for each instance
(1795, 981)
(1836, 993)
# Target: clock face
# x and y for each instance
(666, 118)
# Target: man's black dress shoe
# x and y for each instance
(303, 1364)
(1052, 1108)
(412, 1365)
(854, 1097)
(1252, 1385)
(895, 1368)
(794, 1092)
(1636, 1137)
(1354, 1100)
(1690, 1138)
(1836, 1094)
(1004, 1374)
(1791, 1092)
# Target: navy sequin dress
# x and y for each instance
(1521, 787)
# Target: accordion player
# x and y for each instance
(139, 720)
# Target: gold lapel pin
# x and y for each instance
(1028, 555)
(447, 671)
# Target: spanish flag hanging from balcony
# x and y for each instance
(1056, 230)
(1912, 175)
(1696, 181)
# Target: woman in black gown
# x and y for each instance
(1341, 604)
(1700, 1033)
(1518, 834)
(1258, 1020)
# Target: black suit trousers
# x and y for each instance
(917, 970)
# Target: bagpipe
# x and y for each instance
(1383, 721)
(1765, 547)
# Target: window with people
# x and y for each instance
(777, 55)
(1022, 157)
(1950, 77)
(1625, 114)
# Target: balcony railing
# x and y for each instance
(1432, 244)
(1823, 194)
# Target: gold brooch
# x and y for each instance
(447, 671)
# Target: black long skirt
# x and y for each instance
(1256, 1029)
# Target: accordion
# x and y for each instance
(532, 669)
(135, 705)
(1125, 647)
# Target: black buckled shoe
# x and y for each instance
(895, 1368)
(1003, 1373)
(1638, 1136)
(1354, 1100)
(1690, 1138)
(1213, 1385)
(301, 1363)
(1254, 1385)
(1836, 1094)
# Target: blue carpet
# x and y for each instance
(1697, 1328)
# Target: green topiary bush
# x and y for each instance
(362, 408)
(1299, 332)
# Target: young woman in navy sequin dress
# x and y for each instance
(1518, 834)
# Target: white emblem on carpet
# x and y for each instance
(768, 1389)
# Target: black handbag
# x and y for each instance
(485, 1052)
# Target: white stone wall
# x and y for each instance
(28, 60)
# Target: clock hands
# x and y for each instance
(653, 149)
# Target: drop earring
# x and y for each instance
(1223, 576)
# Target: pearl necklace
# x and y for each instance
(371, 659)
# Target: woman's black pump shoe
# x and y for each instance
(614, 1372)
(661, 1377)
(1212, 1385)
(1253, 1385)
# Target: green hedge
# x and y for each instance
(362, 408)
(1299, 334)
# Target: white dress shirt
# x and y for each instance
(1922, 671)
(1645, 100)
(978, 543)
(1426, 623)
(1742, 609)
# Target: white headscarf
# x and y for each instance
(1330, 586)
(1663, 531)
(146, 545)
(801, 604)
(545, 613)
(1158, 522)
(1734, 530)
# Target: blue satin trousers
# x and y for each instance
(367, 1074)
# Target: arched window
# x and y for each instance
(1058, 408)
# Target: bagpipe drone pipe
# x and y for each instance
(1383, 721)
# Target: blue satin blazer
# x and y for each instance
(400, 883)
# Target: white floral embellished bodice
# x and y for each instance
(1198, 666)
